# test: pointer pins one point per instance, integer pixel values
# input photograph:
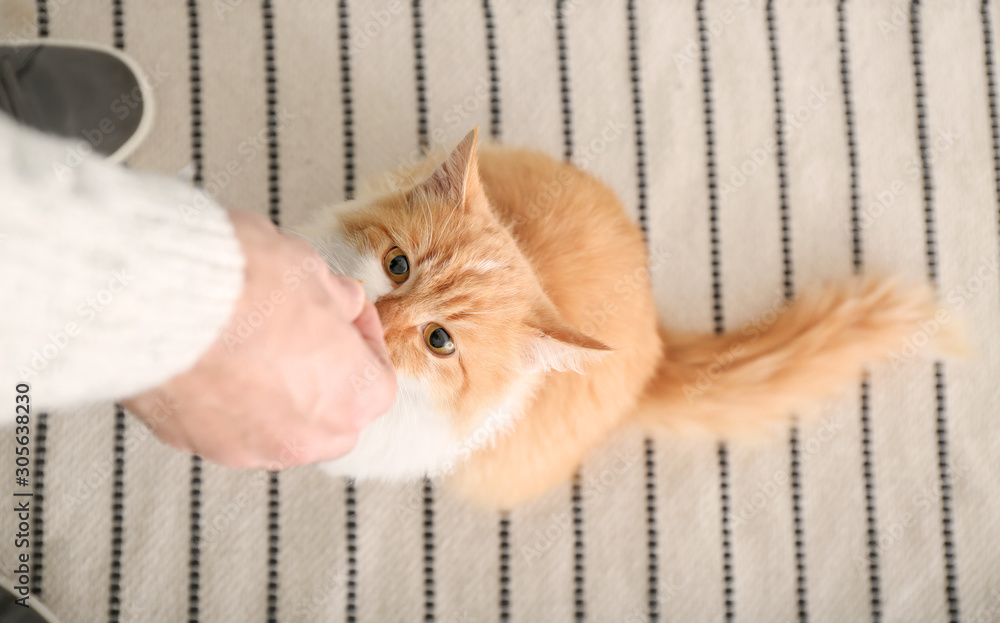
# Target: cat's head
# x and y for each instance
(468, 325)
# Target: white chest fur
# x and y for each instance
(414, 440)
(409, 441)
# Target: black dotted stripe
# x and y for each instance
(194, 556)
(652, 565)
(347, 100)
(197, 162)
(992, 90)
(852, 151)
(652, 538)
(640, 137)
(423, 138)
(428, 550)
(350, 497)
(118, 474)
(117, 517)
(925, 158)
(719, 325)
(42, 18)
(504, 538)
(779, 131)
(271, 79)
(350, 492)
(874, 581)
(948, 542)
(274, 211)
(944, 470)
(503, 530)
(795, 476)
(118, 23)
(564, 81)
(713, 184)
(727, 546)
(41, 432)
(423, 134)
(491, 53)
(273, 543)
(579, 603)
(797, 525)
(38, 515)
(194, 61)
(576, 497)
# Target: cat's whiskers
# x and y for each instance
(428, 215)
(332, 262)
(453, 211)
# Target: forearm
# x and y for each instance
(111, 282)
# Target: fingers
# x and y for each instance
(368, 323)
(309, 379)
(380, 390)
(348, 293)
(327, 450)
(279, 456)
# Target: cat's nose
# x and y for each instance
(390, 313)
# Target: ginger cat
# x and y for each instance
(487, 275)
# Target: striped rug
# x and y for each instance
(763, 147)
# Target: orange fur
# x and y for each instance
(738, 382)
(529, 261)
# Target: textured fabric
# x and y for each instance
(765, 150)
(101, 264)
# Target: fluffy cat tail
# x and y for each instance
(737, 383)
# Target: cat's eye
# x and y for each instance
(397, 267)
(438, 340)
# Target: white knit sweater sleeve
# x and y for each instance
(111, 281)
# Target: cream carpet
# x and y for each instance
(764, 148)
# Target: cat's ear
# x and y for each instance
(554, 345)
(458, 176)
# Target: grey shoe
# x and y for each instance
(77, 90)
(11, 610)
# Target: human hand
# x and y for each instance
(299, 370)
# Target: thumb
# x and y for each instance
(349, 295)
